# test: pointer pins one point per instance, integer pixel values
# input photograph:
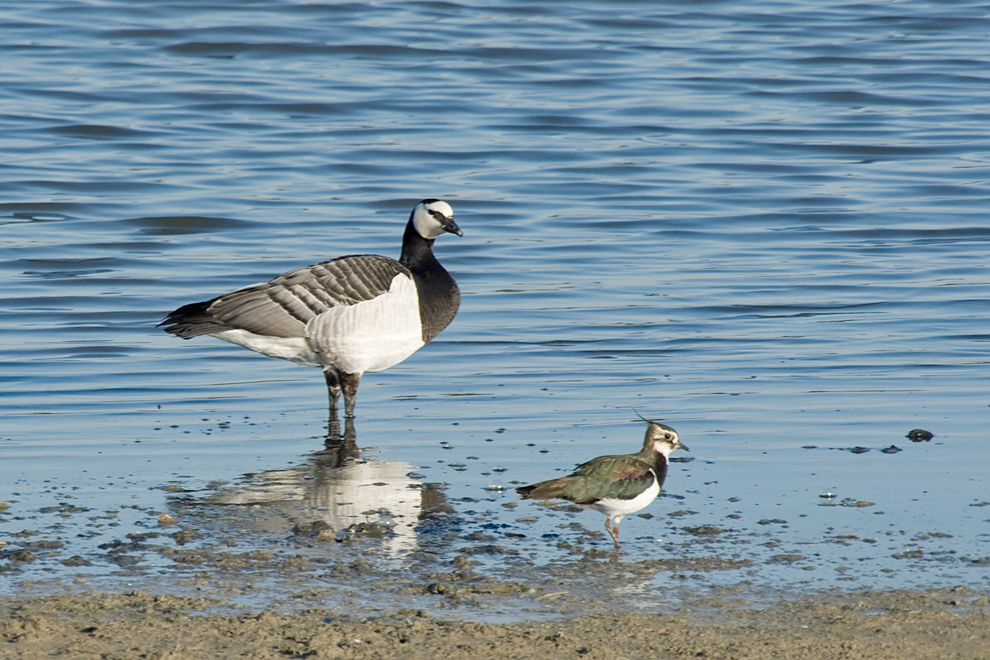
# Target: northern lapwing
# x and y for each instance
(615, 485)
(346, 316)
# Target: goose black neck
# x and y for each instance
(417, 252)
(436, 290)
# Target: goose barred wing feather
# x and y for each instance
(283, 306)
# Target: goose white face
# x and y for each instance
(664, 439)
(434, 217)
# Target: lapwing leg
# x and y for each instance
(613, 531)
(349, 384)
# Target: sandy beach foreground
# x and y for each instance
(942, 624)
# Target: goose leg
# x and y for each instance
(349, 384)
(333, 390)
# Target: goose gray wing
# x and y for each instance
(283, 306)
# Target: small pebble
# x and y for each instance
(919, 435)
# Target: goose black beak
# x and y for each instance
(450, 226)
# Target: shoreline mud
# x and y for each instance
(876, 625)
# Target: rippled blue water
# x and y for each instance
(766, 224)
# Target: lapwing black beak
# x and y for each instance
(684, 447)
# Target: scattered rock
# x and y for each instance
(909, 554)
(76, 560)
(706, 530)
(22, 556)
(318, 530)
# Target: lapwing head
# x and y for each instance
(662, 439)
(433, 217)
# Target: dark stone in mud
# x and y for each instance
(25, 533)
(184, 536)
(318, 530)
(362, 566)
(467, 582)
(849, 502)
(190, 557)
(919, 435)
(489, 549)
(859, 450)
(598, 553)
(478, 535)
(680, 513)
(358, 567)
(44, 545)
(706, 530)
(893, 449)
(22, 556)
(63, 509)
(924, 536)
(372, 530)
(125, 560)
(910, 554)
(76, 560)
(296, 564)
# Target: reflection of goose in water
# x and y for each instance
(338, 487)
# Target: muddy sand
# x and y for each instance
(942, 624)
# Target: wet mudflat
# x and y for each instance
(355, 534)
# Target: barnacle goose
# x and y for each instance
(348, 315)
